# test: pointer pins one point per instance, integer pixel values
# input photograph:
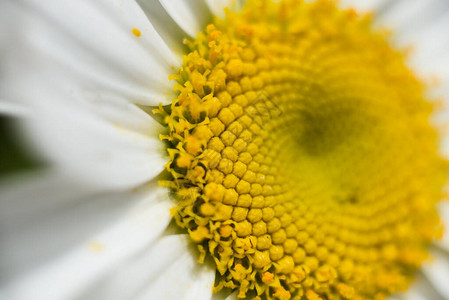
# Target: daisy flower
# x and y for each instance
(200, 149)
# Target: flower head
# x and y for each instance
(289, 141)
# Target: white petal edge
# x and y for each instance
(437, 272)
(403, 15)
(40, 214)
(217, 6)
(443, 209)
(430, 47)
(64, 102)
(107, 143)
(12, 109)
(168, 30)
(190, 15)
(185, 278)
(423, 25)
(71, 275)
(421, 289)
(168, 270)
(365, 6)
(88, 42)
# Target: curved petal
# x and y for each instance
(363, 6)
(430, 49)
(421, 289)
(179, 265)
(444, 215)
(44, 209)
(438, 272)
(217, 6)
(422, 25)
(405, 16)
(105, 142)
(167, 28)
(68, 276)
(90, 43)
(80, 116)
(40, 218)
(12, 109)
(168, 270)
(191, 15)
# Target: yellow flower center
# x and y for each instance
(302, 154)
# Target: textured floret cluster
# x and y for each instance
(302, 155)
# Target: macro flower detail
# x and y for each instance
(224, 149)
(302, 165)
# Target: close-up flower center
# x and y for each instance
(302, 155)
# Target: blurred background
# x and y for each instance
(13, 156)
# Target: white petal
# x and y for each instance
(44, 209)
(179, 275)
(168, 270)
(105, 142)
(424, 26)
(438, 272)
(420, 290)
(90, 43)
(167, 28)
(70, 275)
(217, 6)
(35, 196)
(407, 15)
(81, 118)
(443, 209)
(363, 6)
(120, 113)
(430, 47)
(191, 15)
(12, 109)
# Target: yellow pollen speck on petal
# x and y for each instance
(136, 32)
(96, 247)
(302, 154)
